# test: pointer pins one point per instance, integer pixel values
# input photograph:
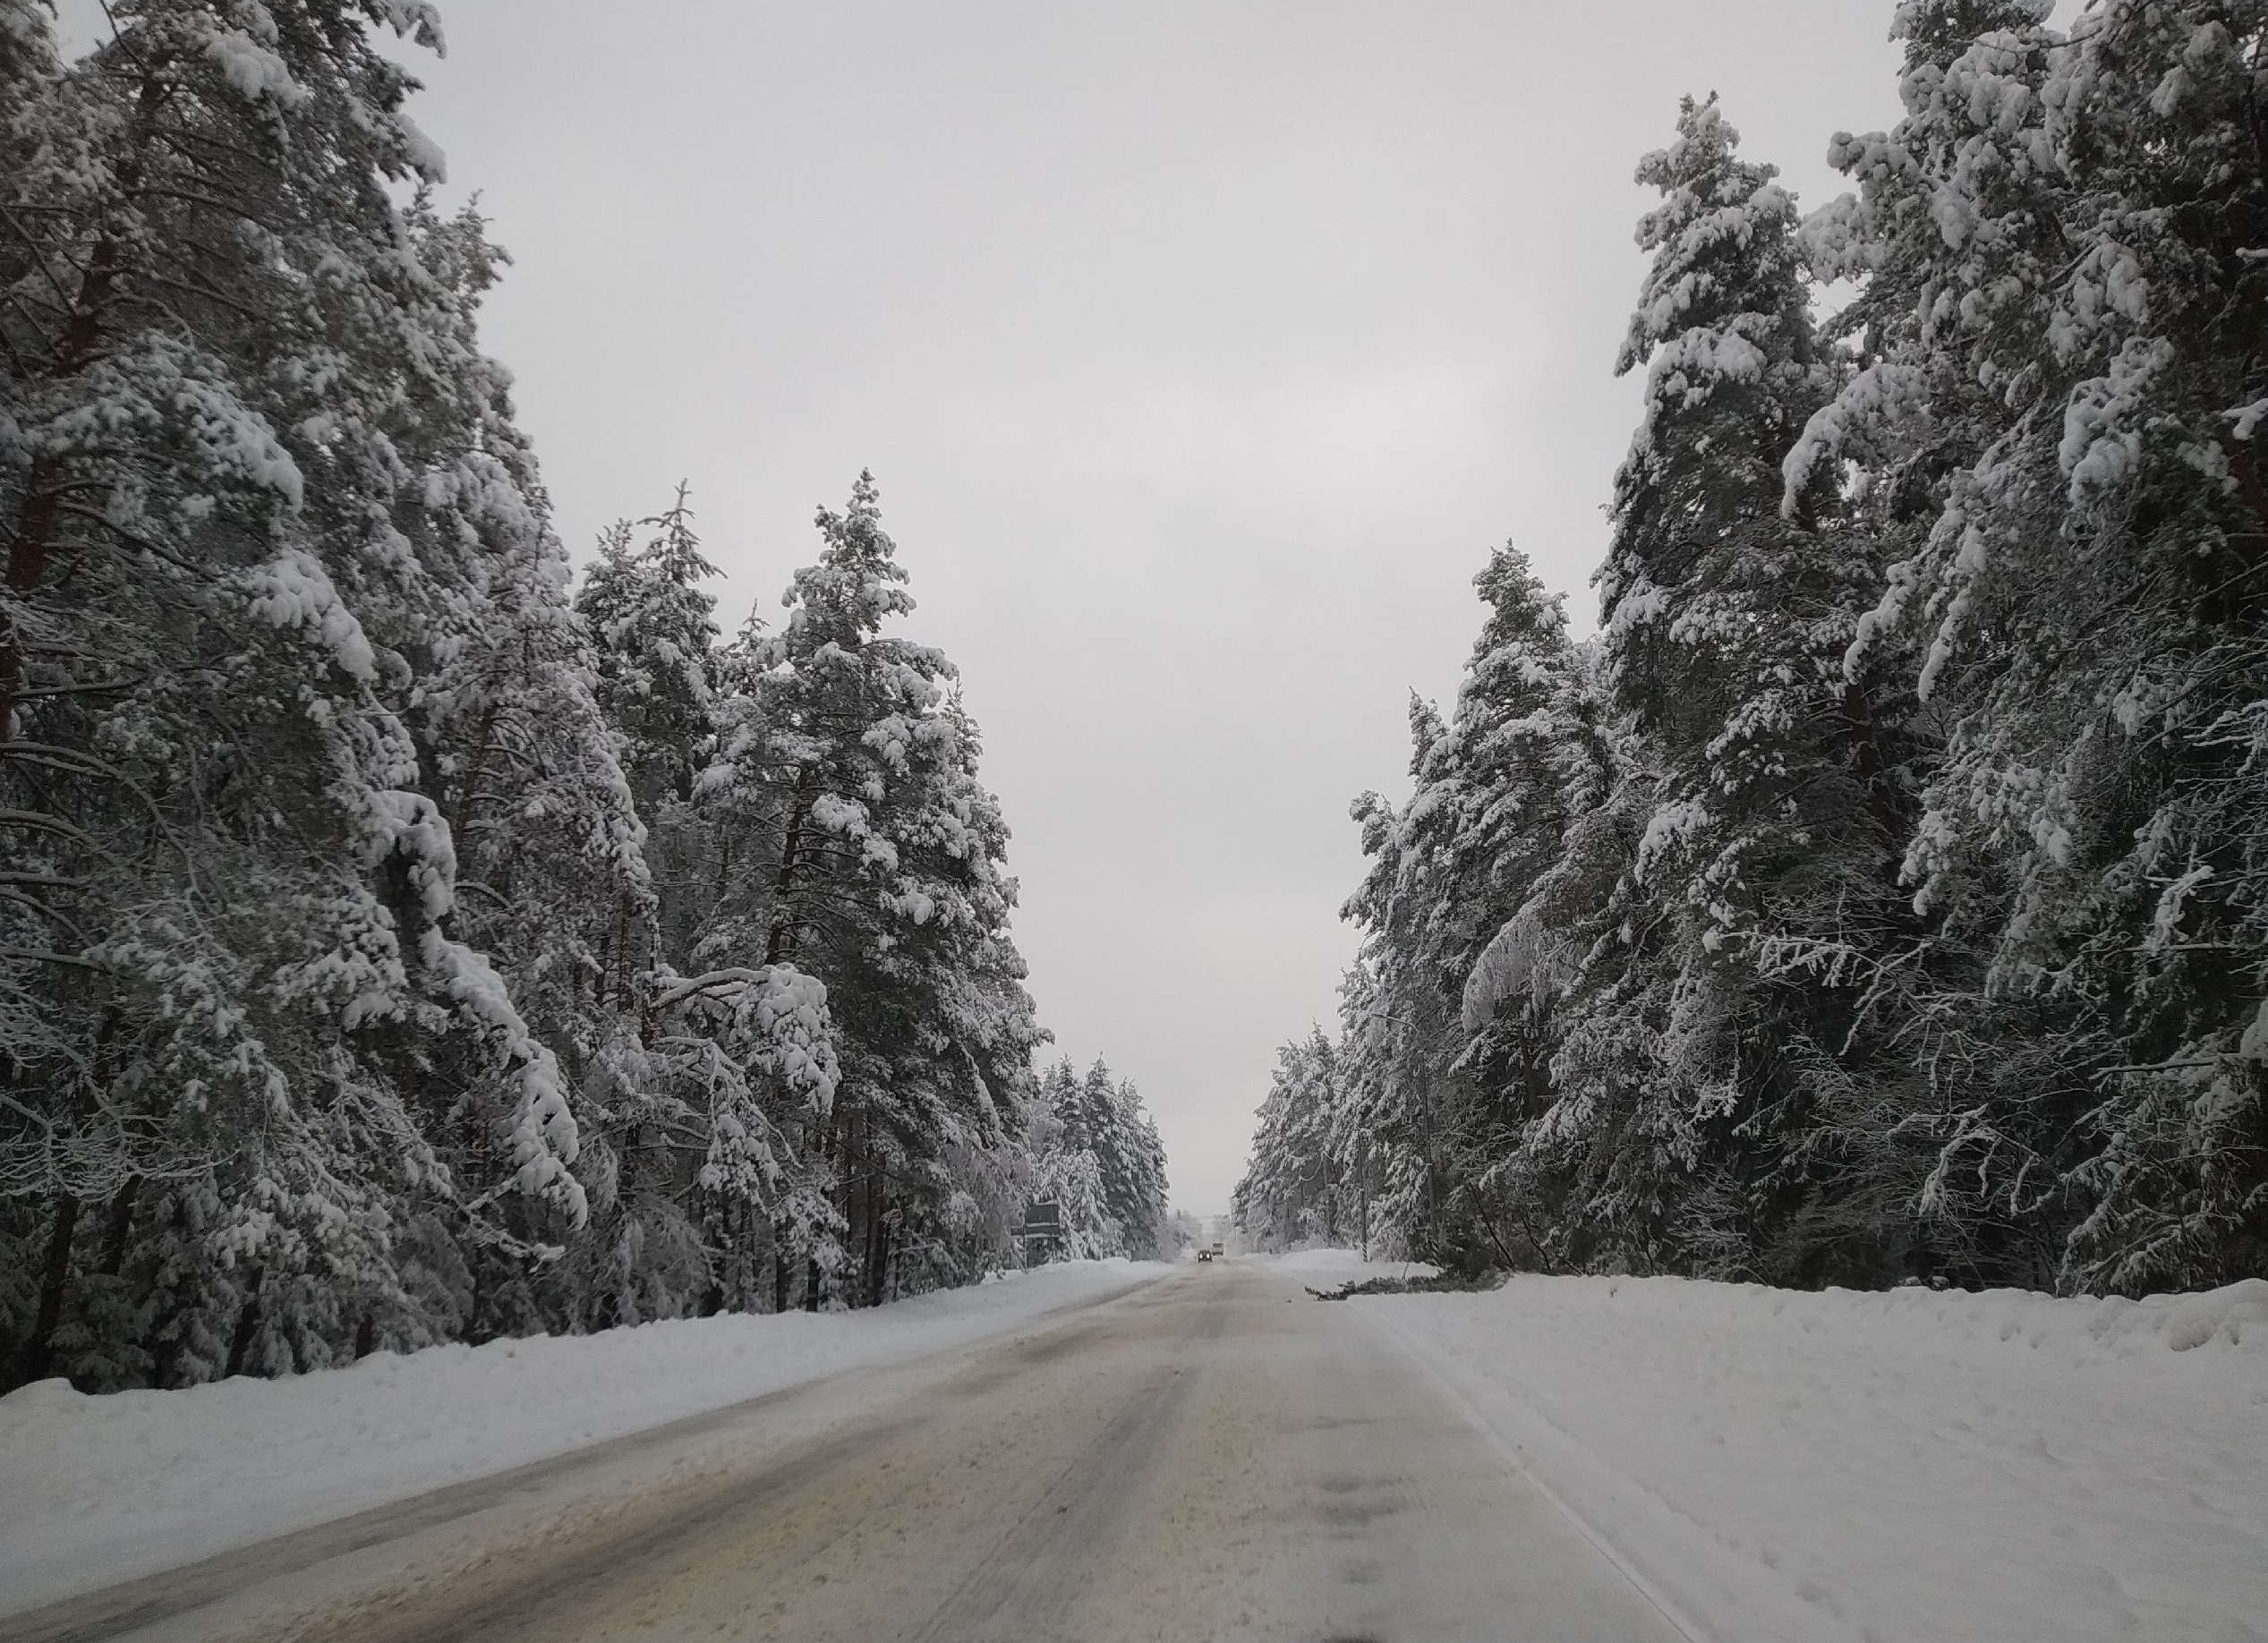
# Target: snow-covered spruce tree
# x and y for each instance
(660, 668)
(1125, 1143)
(1439, 1079)
(1581, 961)
(1092, 1149)
(867, 855)
(935, 1008)
(547, 843)
(1962, 182)
(2088, 598)
(1398, 1023)
(657, 635)
(1963, 179)
(1292, 1193)
(660, 1243)
(1066, 1169)
(1776, 821)
(1103, 1116)
(1484, 827)
(1147, 1219)
(234, 488)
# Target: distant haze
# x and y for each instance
(1202, 352)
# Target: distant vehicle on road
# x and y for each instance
(1211, 1252)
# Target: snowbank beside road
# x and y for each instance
(1899, 1467)
(103, 1489)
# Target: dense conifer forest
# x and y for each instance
(404, 939)
(1878, 897)
(396, 945)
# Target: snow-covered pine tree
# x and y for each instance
(547, 841)
(1730, 600)
(657, 635)
(229, 496)
(1483, 828)
(1066, 1170)
(1439, 1078)
(661, 1242)
(330, 927)
(938, 1002)
(1399, 1020)
(1293, 1192)
(1960, 181)
(659, 672)
(1149, 1235)
(868, 854)
(1583, 956)
(1097, 1123)
(2087, 600)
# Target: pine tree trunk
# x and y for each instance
(122, 1225)
(44, 486)
(869, 1242)
(476, 1327)
(862, 1204)
(781, 940)
(240, 1343)
(827, 1149)
(712, 1298)
(878, 1260)
(164, 1353)
(161, 1337)
(462, 812)
(1866, 756)
(55, 1277)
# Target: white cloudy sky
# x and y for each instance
(1202, 349)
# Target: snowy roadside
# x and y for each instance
(106, 1489)
(1900, 1467)
(1326, 1267)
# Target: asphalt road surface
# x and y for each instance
(1214, 1458)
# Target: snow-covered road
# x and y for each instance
(1098, 1452)
(1212, 1457)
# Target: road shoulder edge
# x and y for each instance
(218, 1574)
(1684, 1573)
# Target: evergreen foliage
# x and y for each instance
(1099, 1158)
(1878, 897)
(393, 949)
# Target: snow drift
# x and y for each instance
(1906, 1467)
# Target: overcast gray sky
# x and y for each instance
(1202, 350)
